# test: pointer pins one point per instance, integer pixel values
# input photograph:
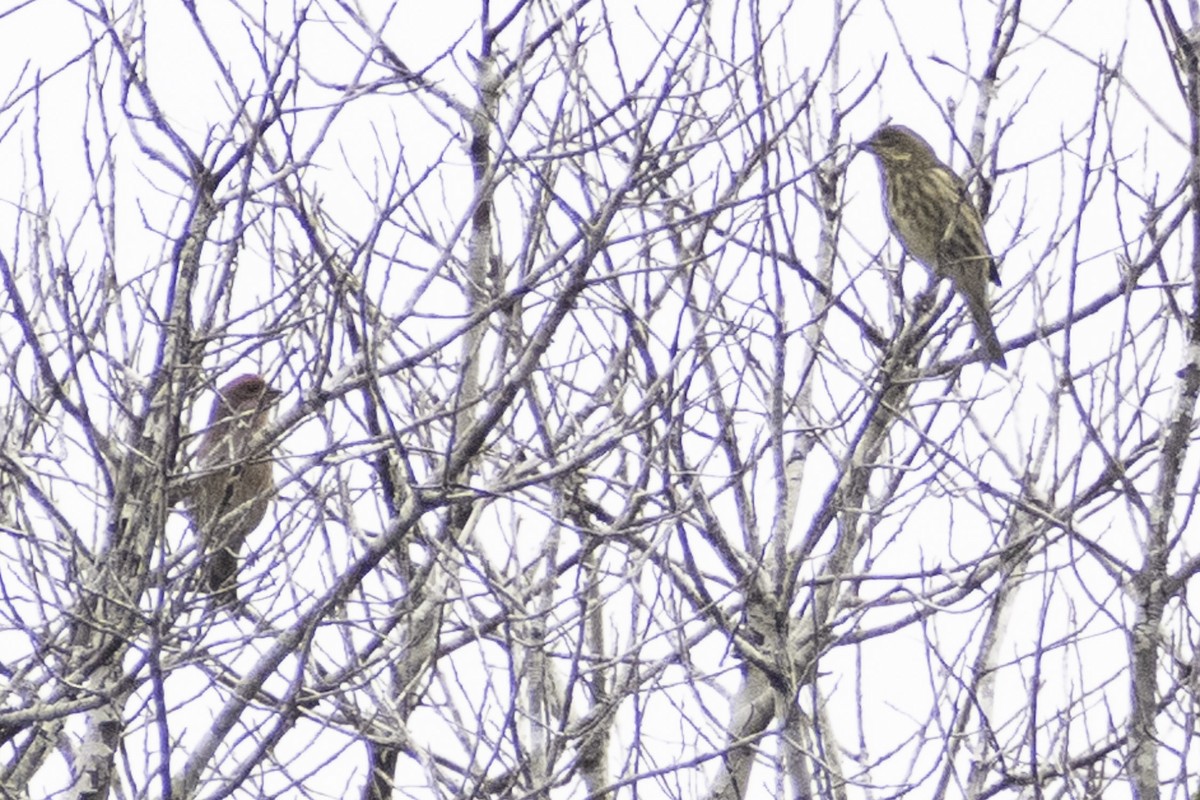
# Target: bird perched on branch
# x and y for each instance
(929, 210)
(234, 484)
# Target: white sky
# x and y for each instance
(1048, 92)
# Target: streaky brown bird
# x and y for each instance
(930, 212)
(234, 484)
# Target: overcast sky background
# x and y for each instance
(930, 53)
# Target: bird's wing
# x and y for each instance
(963, 237)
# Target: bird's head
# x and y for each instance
(245, 394)
(898, 146)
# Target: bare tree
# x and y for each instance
(621, 452)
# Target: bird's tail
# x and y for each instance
(985, 331)
(221, 577)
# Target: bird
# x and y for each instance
(930, 212)
(234, 484)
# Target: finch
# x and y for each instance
(234, 485)
(929, 210)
